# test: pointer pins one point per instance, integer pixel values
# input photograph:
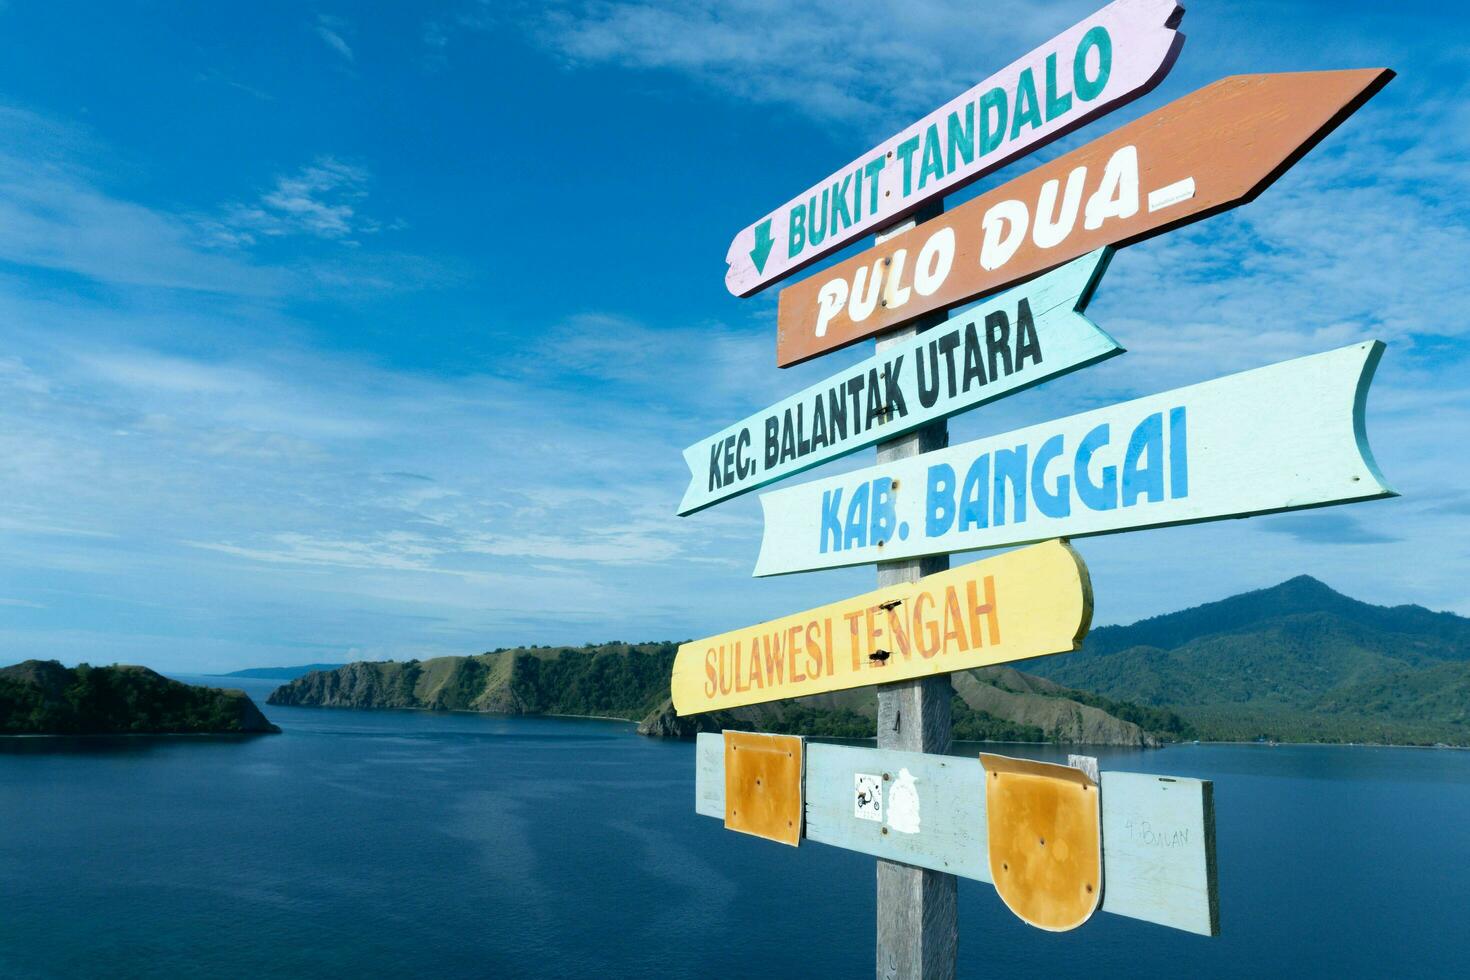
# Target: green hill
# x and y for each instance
(632, 681)
(1297, 662)
(41, 697)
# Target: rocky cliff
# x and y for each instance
(631, 681)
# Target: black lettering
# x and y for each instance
(714, 467)
(729, 473)
(947, 345)
(744, 466)
(788, 438)
(819, 424)
(928, 390)
(998, 340)
(875, 401)
(837, 413)
(1026, 340)
(974, 360)
(891, 389)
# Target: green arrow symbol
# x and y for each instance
(763, 243)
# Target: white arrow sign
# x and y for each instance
(1283, 437)
(1093, 67)
(1004, 345)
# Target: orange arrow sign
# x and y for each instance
(1205, 153)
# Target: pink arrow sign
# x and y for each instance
(1093, 67)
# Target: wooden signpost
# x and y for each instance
(1025, 603)
(1093, 67)
(930, 811)
(1058, 842)
(1205, 153)
(1283, 437)
(1004, 345)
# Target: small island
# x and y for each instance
(42, 697)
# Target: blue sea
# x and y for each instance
(393, 843)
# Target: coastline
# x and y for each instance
(278, 731)
(1161, 745)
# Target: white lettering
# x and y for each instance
(1117, 195)
(935, 260)
(996, 250)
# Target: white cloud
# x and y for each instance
(54, 215)
(330, 30)
(830, 59)
(321, 199)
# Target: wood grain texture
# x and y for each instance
(1158, 831)
(1159, 851)
(831, 418)
(1026, 603)
(1210, 151)
(1284, 437)
(1141, 46)
(917, 908)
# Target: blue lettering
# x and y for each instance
(882, 520)
(1010, 464)
(1143, 463)
(1178, 454)
(831, 523)
(856, 535)
(1105, 496)
(975, 497)
(939, 501)
(1058, 504)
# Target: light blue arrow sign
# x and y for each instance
(995, 348)
(1283, 437)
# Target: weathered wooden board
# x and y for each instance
(1159, 850)
(1026, 603)
(1158, 831)
(1007, 344)
(1097, 65)
(1205, 153)
(1283, 437)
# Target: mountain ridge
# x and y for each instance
(1295, 661)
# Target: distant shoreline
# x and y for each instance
(133, 734)
(1161, 745)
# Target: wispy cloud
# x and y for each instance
(827, 59)
(54, 215)
(321, 199)
(330, 29)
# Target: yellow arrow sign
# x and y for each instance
(1025, 603)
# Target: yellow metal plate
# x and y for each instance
(763, 785)
(1044, 823)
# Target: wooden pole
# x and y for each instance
(918, 925)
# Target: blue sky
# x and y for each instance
(344, 330)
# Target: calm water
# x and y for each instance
(363, 844)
